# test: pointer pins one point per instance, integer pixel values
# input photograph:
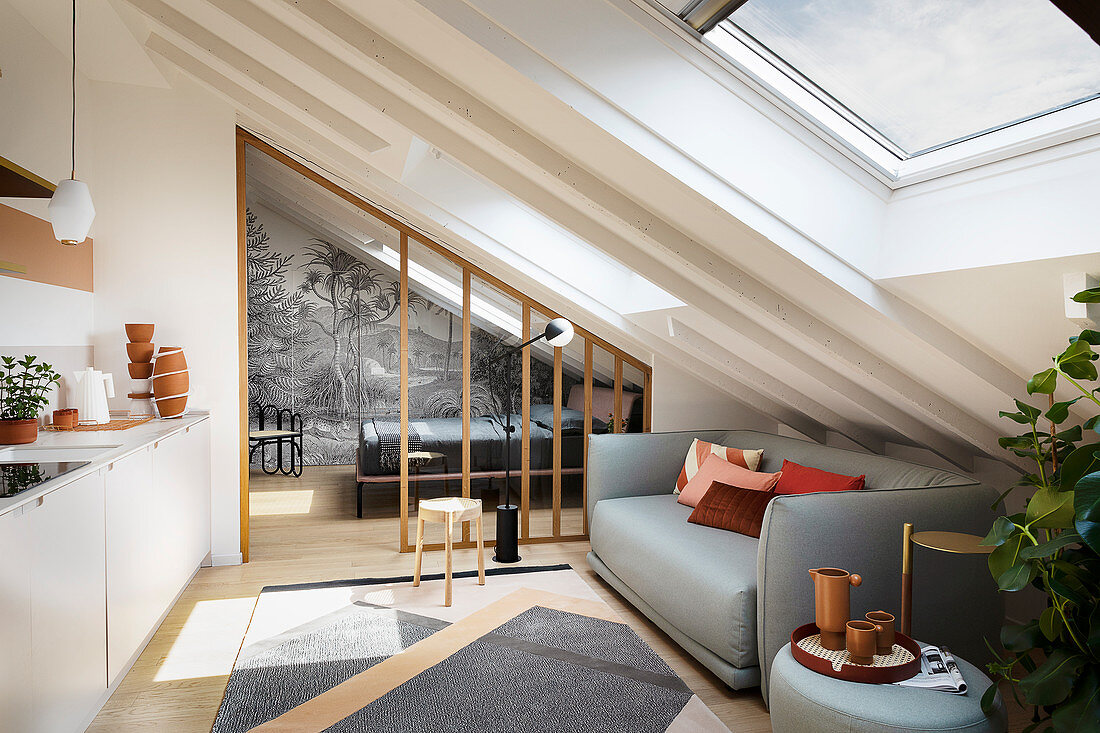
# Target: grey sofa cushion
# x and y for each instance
(701, 579)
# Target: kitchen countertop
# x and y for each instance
(126, 442)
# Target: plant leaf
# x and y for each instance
(1050, 509)
(1043, 383)
(1050, 623)
(1021, 637)
(1001, 531)
(1092, 337)
(1059, 411)
(1052, 682)
(1080, 461)
(1092, 295)
(1016, 417)
(1082, 710)
(1049, 548)
(1017, 577)
(1005, 556)
(989, 699)
(1086, 504)
(1031, 413)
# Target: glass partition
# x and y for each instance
(571, 394)
(633, 399)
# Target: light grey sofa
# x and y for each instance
(732, 601)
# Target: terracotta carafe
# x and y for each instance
(832, 604)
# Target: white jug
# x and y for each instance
(93, 387)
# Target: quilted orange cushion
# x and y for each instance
(716, 469)
(732, 508)
(699, 451)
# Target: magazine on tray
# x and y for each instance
(938, 671)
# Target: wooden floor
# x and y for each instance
(305, 530)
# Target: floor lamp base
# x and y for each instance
(507, 541)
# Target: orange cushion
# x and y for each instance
(699, 451)
(716, 469)
(799, 479)
(732, 508)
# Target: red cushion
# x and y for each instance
(716, 469)
(796, 479)
(732, 508)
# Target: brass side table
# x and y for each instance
(957, 543)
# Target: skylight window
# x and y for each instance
(922, 74)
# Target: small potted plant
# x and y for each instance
(24, 391)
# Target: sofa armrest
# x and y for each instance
(955, 601)
(637, 464)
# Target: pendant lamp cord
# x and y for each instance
(73, 141)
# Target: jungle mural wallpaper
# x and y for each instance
(324, 341)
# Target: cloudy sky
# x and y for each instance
(925, 72)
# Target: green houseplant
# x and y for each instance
(1052, 663)
(24, 391)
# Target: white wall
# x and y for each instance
(681, 401)
(160, 163)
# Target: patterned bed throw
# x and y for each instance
(389, 444)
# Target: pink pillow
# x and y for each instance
(714, 469)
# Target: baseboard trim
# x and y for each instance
(232, 558)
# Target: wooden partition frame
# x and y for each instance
(246, 139)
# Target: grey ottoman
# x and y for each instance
(804, 701)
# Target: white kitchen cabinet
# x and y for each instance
(15, 621)
(68, 667)
(132, 610)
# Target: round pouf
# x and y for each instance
(804, 701)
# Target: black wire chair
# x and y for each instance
(287, 431)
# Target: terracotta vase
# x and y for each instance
(172, 406)
(140, 371)
(139, 332)
(139, 353)
(832, 604)
(18, 432)
(169, 385)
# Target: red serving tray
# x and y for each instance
(856, 672)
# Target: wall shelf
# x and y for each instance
(10, 268)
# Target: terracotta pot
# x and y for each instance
(832, 604)
(64, 418)
(139, 353)
(886, 637)
(140, 371)
(170, 359)
(18, 432)
(172, 406)
(860, 640)
(139, 333)
(167, 385)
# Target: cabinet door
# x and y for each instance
(197, 465)
(181, 477)
(133, 607)
(15, 621)
(68, 606)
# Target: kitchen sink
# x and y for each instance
(31, 454)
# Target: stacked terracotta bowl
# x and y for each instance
(170, 381)
(140, 351)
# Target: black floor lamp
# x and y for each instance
(558, 333)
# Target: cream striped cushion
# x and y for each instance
(699, 451)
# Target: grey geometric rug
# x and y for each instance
(503, 659)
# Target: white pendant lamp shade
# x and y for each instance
(559, 332)
(71, 212)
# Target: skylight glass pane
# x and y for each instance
(924, 73)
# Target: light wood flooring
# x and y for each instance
(305, 530)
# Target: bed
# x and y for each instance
(377, 462)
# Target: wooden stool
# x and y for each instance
(449, 510)
(419, 459)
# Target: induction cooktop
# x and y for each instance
(15, 478)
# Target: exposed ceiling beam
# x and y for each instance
(704, 15)
(1085, 13)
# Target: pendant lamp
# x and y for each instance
(71, 209)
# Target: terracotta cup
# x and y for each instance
(140, 371)
(170, 359)
(832, 604)
(64, 418)
(139, 333)
(139, 353)
(169, 385)
(172, 407)
(885, 642)
(861, 640)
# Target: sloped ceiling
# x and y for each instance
(809, 339)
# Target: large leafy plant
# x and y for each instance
(1053, 661)
(25, 387)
